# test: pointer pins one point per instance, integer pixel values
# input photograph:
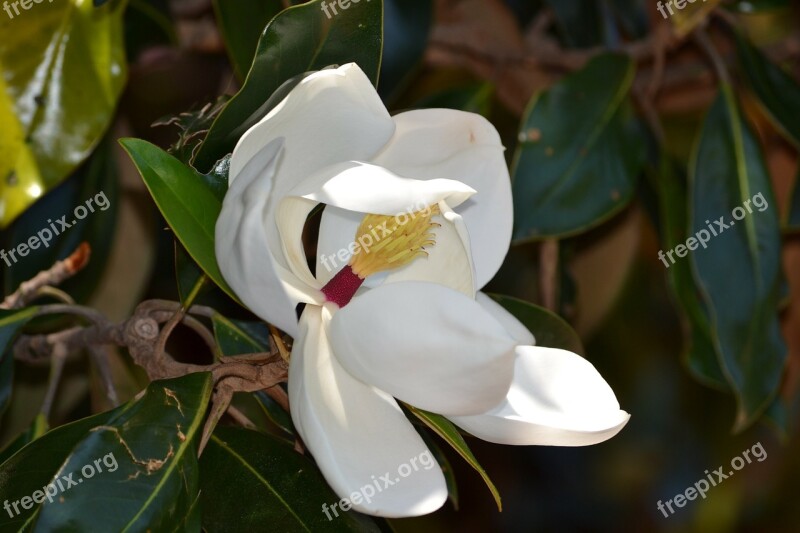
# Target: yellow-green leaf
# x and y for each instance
(62, 69)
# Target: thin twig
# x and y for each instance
(57, 362)
(54, 275)
(548, 274)
(101, 355)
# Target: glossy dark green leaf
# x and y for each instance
(236, 337)
(778, 93)
(406, 26)
(275, 413)
(188, 204)
(549, 329)
(147, 476)
(475, 98)
(11, 322)
(580, 152)
(447, 431)
(300, 39)
(35, 466)
(241, 23)
(793, 216)
(739, 270)
(38, 428)
(62, 69)
(93, 193)
(275, 487)
(700, 353)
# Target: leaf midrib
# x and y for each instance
(258, 477)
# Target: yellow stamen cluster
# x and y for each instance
(394, 241)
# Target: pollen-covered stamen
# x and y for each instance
(383, 242)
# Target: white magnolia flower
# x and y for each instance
(430, 192)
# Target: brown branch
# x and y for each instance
(54, 275)
(548, 274)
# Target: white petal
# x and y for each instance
(427, 345)
(358, 434)
(369, 188)
(332, 115)
(444, 143)
(242, 251)
(514, 327)
(557, 399)
(449, 261)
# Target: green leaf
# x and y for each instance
(92, 190)
(11, 322)
(447, 431)
(235, 337)
(62, 69)
(700, 353)
(35, 465)
(241, 24)
(275, 486)
(38, 428)
(793, 215)
(777, 92)
(275, 413)
(188, 204)
(148, 455)
(299, 39)
(549, 329)
(474, 98)
(579, 154)
(738, 272)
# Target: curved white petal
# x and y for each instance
(444, 143)
(358, 434)
(514, 327)
(370, 188)
(427, 345)
(449, 261)
(243, 253)
(331, 116)
(557, 399)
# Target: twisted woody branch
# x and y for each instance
(144, 335)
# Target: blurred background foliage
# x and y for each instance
(625, 131)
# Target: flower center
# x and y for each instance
(382, 242)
